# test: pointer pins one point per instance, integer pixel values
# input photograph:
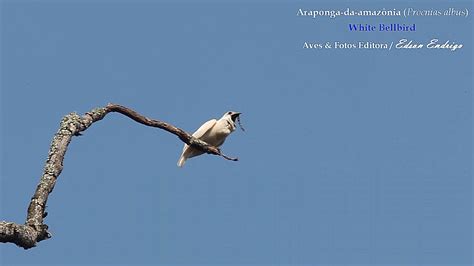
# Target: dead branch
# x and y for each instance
(34, 230)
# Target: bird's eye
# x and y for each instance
(229, 113)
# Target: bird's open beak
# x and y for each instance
(235, 115)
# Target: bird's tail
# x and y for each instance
(181, 161)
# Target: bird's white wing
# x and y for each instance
(204, 128)
(201, 131)
(188, 151)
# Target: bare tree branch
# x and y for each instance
(34, 230)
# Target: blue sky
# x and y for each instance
(349, 157)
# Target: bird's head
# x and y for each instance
(233, 116)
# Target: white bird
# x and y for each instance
(214, 132)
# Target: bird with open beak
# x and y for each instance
(214, 132)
